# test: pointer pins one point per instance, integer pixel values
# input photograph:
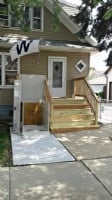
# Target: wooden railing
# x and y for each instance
(47, 94)
(82, 88)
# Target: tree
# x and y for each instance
(94, 18)
(18, 9)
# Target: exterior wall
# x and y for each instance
(5, 50)
(38, 64)
(48, 33)
(6, 96)
(6, 101)
(109, 80)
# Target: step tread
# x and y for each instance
(72, 124)
(74, 106)
(69, 118)
(64, 112)
(69, 102)
(78, 128)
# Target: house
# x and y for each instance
(108, 74)
(61, 56)
(98, 83)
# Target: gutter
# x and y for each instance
(67, 49)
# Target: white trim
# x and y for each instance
(58, 92)
(41, 18)
(64, 18)
(68, 49)
(31, 20)
(18, 62)
(3, 80)
(82, 62)
(108, 83)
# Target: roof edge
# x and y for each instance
(72, 27)
(64, 18)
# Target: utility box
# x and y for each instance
(30, 108)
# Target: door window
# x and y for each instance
(57, 74)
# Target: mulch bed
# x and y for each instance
(5, 145)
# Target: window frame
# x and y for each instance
(3, 70)
(83, 63)
(42, 20)
(30, 17)
(2, 19)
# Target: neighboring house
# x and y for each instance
(62, 57)
(98, 83)
(108, 75)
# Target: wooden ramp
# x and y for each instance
(71, 114)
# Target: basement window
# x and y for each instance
(80, 66)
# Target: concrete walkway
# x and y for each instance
(88, 177)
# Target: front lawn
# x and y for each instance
(5, 147)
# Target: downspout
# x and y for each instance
(107, 95)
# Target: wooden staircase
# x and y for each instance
(71, 114)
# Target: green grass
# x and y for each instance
(4, 148)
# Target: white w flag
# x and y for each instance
(24, 47)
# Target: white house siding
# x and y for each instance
(109, 80)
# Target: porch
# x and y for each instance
(34, 105)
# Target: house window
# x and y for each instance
(17, 22)
(8, 70)
(31, 17)
(37, 18)
(3, 15)
(80, 66)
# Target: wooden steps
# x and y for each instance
(79, 128)
(71, 115)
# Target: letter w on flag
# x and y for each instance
(24, 47)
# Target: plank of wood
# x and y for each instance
(61, 112)
(32, 113)
(70, 124)
(69, 101)
(66, 118)
(80, 128)
(70, 106)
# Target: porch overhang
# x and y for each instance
(49, 45)
(65, 46)
(74, 48)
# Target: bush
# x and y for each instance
(100, 94)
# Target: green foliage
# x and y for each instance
(56, 12)
(17, 10)
(31, 3)
(100, 94)
(4, 148)
(98, 25)
(108, 14)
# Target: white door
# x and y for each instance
(57, 76)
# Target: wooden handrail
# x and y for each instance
(47, 93)
(82, 88)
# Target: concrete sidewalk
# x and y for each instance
(89, 177)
